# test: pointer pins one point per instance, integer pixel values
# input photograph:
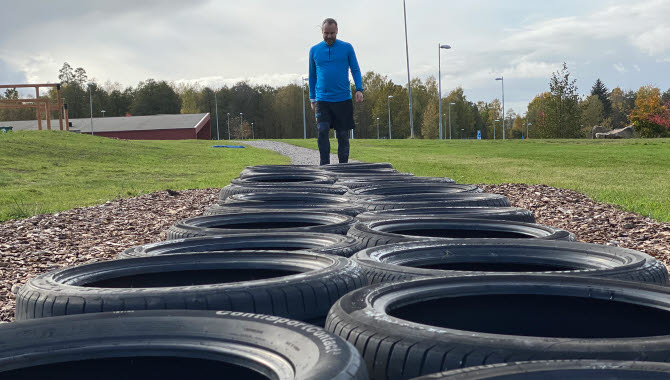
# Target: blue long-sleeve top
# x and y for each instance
(329, 71)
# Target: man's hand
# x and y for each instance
(313, 106)
(359, 97)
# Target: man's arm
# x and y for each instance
(312, 79)
(356, 73)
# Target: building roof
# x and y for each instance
(119, 124)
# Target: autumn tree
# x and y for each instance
(190, 98)
(535, 116)
(495, 113)
(645, 114)
(430, 122)
(518, 128)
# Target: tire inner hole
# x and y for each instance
(188, 278)
(493, 267)
(534, 315)
(264, 225)
(457, 233)
(136, 368)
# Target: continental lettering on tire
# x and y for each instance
(329, 343)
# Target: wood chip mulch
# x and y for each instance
(32, 246)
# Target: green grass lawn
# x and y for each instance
(633, 174)
(50, 171)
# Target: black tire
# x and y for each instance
(406, 261)
(280, 169)
(229, 208)
(284, 179)
(382, 173)
(261, 222)
(393, 202)
(372, 180)
(563, 369)
(412, 328)
(174, 344)
(496, 213)
(416, 190)
(330, 244)
(297, 187)
(356, 166)
(400, 230)
(288, 198)
(286, 201)
(298, 285)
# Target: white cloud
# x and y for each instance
(218, 43)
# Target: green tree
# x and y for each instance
(666, 97)
(11, 93)
(80, 76)
(462, 115)
(592, 111)
(600, 90)
(153, 98)
(118, 102)
(66, 74)
(562, 107)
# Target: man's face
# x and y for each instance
(329, 33)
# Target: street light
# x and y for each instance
(439, 81)
(450, 104)
(527, 124)
(389, 106)
(252, 131)
(216, 108)
(494, 128)
(409, 81)
(103, 113)
(228, 115)
(377, 128)
(90, 101)
(241, 114)
(502, 81)
(304, 118)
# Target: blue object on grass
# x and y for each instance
(227, 146)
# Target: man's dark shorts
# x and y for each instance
(340, 115)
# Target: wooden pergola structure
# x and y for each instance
(40, 104)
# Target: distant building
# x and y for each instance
(155, 127)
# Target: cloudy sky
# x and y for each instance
(218, 42)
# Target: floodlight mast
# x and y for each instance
(439, 80)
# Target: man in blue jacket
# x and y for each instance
(329, 91)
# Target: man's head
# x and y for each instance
(329, 30)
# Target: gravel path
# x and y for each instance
(298, 155)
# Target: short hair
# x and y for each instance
(328, 21)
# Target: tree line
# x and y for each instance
(262, 111)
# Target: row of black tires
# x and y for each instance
(414, 289)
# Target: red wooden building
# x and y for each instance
(154, 127)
